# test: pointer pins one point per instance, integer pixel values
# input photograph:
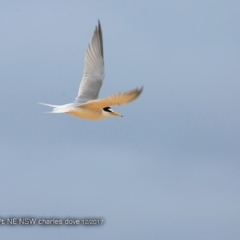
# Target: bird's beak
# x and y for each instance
(116, 114)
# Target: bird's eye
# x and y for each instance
(107, 109)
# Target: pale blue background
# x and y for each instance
(169, 169)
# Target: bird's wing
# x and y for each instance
(94, 69)
(113, 100)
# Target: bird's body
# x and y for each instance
(78, 111)
(88, 114)
(87, 105)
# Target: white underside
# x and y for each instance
(88, 114)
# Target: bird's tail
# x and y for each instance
(56, 108)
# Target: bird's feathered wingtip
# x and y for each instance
(137, 92)
(141, 89)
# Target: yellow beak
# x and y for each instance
(116, 114)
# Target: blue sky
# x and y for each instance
(169, 169)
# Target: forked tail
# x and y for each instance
(56, 108)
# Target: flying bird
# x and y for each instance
(87, 105)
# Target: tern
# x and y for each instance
(87, 105)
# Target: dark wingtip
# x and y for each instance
(99, 24)
(99, 29)
(140, 90)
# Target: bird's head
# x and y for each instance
(109, 111)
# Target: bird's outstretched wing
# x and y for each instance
(113, 100)
(94, 69)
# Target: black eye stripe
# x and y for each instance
(107, 109)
